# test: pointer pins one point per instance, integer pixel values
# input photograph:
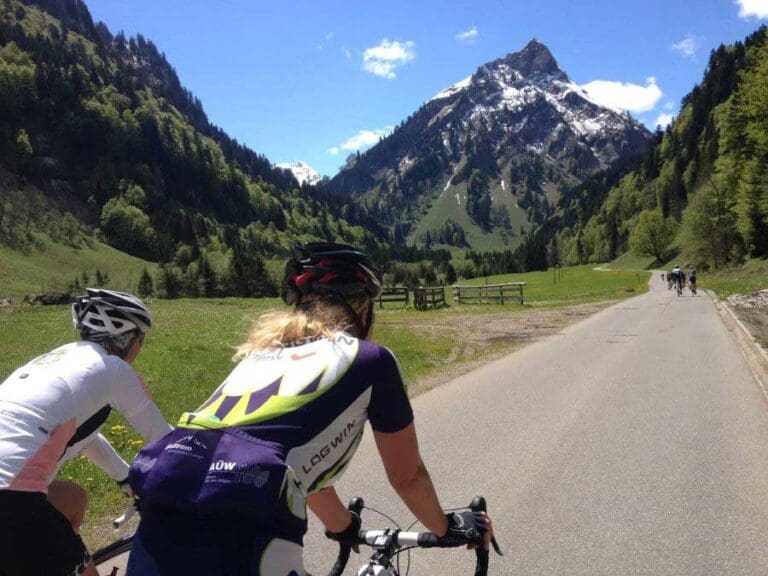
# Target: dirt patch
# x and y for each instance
(757, 299)
(756, 321)
(752, 310)
(481, 338)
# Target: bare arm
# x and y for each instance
(328, 507)
(409, 477)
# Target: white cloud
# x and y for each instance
(625, 96)
(347, 52)
(669, 106)
(382, 60)
(360, 141)
(329, 36)
(664, 119)
(468, 36)
(686, 47)
(753, 8)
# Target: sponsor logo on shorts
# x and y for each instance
(187, 445)
(225, 472)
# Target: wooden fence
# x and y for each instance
(500, 293)
(393, 294)
(424, 297)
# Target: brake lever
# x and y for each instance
(479, 505)
(496, 547)
(356, 506)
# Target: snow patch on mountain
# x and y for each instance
(501, 94)
(302, 171)
(452, 89)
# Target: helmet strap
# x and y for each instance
(363, 320)
(368, 321)
(360, 331)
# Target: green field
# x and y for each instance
(188, 352)
(750, 277)
(574, 285)
(628, 261)
(49, 266)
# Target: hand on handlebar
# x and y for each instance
(467, 525)
(350, 535)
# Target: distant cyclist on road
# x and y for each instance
(226, 492)
(51, 410)
(692, 280)
(678, 279)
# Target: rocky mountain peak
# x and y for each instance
(302, 171)
(518, 125)
(533, 60)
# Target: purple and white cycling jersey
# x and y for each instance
(284, 424)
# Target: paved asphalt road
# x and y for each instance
(635, 442)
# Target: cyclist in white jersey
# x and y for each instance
(226, 491)
(51, 410)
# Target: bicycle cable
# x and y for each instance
(409, 548)
(397, 526)
(411, 525)
(384, 515)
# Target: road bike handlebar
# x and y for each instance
(356, 506)
(392, 540)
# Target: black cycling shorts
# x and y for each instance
(36, 539)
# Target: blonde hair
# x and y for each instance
(310, 319)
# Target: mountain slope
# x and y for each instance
(504, 143)
(102, 125)
(706, 171)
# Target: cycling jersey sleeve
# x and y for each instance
(389, 410)
(129, 397)
(103, 454)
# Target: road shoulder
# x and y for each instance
(754, 354)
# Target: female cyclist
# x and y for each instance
(51, 410)
(226, 492)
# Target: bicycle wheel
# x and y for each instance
(112, 560)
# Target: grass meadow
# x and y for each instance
(188, 352)
(750, 277)
(47, 266)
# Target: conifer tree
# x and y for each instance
(146, 287)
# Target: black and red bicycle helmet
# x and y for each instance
(327, 268)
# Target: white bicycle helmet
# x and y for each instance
(107, 313)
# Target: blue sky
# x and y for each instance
(316, 80)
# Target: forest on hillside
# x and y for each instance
(98, 134)
(701, 190)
